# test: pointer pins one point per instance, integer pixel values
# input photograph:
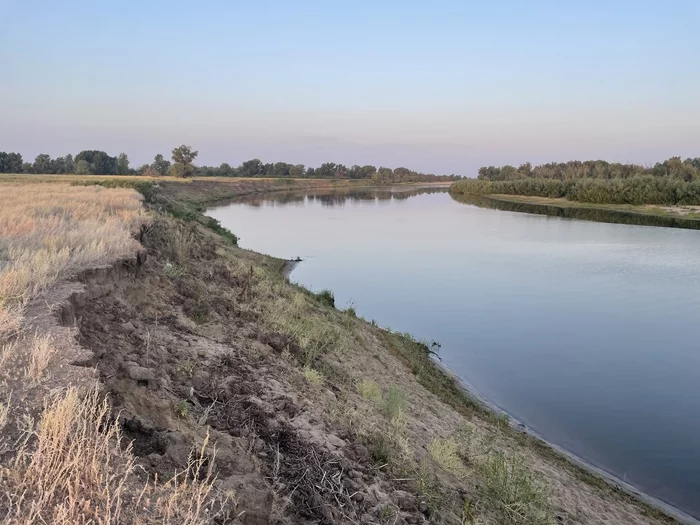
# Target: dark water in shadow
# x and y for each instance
(584, 214)
(587, 332)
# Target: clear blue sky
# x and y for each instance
(439, 86)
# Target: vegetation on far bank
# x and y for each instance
(674, 182)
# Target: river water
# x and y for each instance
(586, 332)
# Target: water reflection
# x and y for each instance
(339, 197)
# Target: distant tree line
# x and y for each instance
(672, 182)
(328, 170)
(687, 170)
(95, 162)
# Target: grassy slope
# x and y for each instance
(416, 357)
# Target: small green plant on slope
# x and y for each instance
(293, 314)
(511, 489)
(181, 409)
(369, 390)
(314, 377)
(326, 297)
(394, 403)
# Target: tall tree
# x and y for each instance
(225, 170)
(185, 156)
(69, 163)
(160, 164)
(100, 163)
(122, 164)
(10, 162)
(42, 164)
(82, 167)
(251, 168)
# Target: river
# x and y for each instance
(588, 333)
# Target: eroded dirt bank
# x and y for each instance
(316, 416)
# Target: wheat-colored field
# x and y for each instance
(49, 230)
(61, 457)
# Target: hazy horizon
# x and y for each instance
(443, 89)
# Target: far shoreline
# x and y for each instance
(644, 215)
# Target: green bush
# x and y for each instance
(326, 297)
(639, 190)
(512, 489)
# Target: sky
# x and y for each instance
(441, 87)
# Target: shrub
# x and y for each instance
(326, 297)
(513, 491)
(369, 390)
(394, 403)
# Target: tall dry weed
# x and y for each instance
(73, 468)
(70, 469)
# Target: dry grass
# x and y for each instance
(6, 351)
(369, 390)
(445, 452)
(68, 470)
(72, 466)
(73, 469)
(49, 230)
(39, 357)
(5, 412)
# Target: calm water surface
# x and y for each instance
(588, 333)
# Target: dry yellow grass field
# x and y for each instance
(62, 460)
(47, 231)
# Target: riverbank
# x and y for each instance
(316, 414)
(686, 217)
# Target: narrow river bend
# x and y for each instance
(588, 333)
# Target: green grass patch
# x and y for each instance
(325, 297)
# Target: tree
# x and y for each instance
(525, 169)
(251, 168)
(297, 171)
(82, 167)
(42, 164)
(69, 163)
(160, 165)
(177, 170)
(100, 163)
(184, 155)
(281, 169)
(10, 162)
(225, 170)
(368, 170)
(58, 165)
(148, 171)
(122, 164)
